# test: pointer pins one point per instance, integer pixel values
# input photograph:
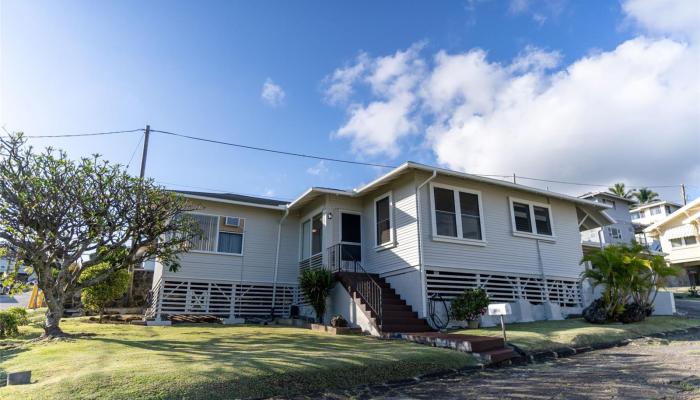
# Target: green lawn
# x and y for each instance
(209, 361)
(545, 335)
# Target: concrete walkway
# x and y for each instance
(644, 369)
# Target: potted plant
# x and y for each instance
(469, 306)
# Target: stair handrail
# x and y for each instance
(371, 292)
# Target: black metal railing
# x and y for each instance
(343, 257)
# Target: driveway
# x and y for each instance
(644, 369)
(20, 300)
(691, 308)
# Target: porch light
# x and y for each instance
(329, 215)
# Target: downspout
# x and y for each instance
(277, 260)
(424, 285)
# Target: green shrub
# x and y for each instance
(21, 315)
(8, 324)
(316, 285)
(470, 305)
(693, 291)
(96, 298)
(630, 278)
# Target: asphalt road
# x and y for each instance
(644, 369)
(20, 300)
(691, 308)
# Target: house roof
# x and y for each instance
(589, 206)
(592, 208)
(653, 204)
(233, 198)
(607, 194)
(690, 212)
(410, 165)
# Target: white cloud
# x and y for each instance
(629, 113)
(272, 94)
(317, 169)
(340, 82)
(674, 17)
(376, 127)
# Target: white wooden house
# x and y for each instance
(413, 233)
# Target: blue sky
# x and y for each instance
(79, 66)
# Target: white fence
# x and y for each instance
(565, 292)
(224, 299)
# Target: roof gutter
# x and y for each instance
(277, 260)
(424, 286)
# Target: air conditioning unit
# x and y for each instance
(232, 221)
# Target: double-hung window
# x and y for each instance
(683, 241)
(217, 237)
(531, 218)
(457, 213)
(615, 233)
(383, 221)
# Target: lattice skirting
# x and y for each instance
(566, 292)
(222, 298)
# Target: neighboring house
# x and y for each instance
(644, 215)
(679, 234)
(622, 231)
(415, 232)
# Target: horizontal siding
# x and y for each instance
(257, 263)
(405, 253)
(505, 252)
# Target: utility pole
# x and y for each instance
(684, 197)
(514, 178)
(145, 151)
(147, 135)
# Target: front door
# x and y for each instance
(351, 236)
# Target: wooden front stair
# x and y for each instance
(397, 316)
(400, 321)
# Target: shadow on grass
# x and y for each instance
(270, 361)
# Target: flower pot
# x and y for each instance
(473, 324)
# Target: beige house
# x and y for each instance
(679, 234)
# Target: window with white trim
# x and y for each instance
(312, 236)
(610, 202)
(615, 233)
(655, 210)
(457, 213)
(383, 220)
(215, 237)
(531, 218)
(683, 241)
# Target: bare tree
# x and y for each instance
(62, 217)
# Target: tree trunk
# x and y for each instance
(53, 316)
(53, 319)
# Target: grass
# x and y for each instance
(546, 335)
(208, 361)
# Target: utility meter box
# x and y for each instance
(500, 309)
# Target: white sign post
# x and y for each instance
(501, 309)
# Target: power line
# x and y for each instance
(82, 134)
(315, 157)
(134, 152)
(594, 184)
(275, 151)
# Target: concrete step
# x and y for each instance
(496, 355)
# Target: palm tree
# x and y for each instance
(620, 190)
(645, 195)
